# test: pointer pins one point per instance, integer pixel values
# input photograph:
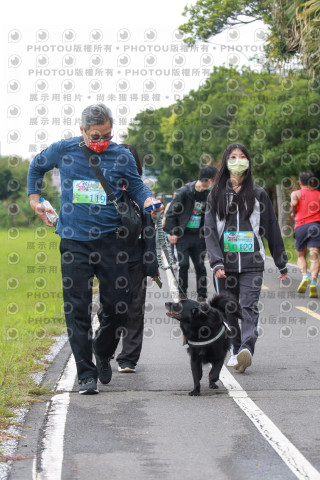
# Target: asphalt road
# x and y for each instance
(263, 424)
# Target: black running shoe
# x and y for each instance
(88, 386)
(104, 369)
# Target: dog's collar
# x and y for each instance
(207, 342)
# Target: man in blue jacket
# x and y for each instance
(88, 225)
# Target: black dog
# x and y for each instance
(205, 327)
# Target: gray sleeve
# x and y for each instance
(271, 231)
(215, 254)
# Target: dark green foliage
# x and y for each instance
(294, 26)
(207, 18)
(15, 210)
(276, 117)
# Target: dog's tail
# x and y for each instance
(227, 303)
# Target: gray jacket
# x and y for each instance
(262, 222)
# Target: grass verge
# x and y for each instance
(32, 313)
(290, 249)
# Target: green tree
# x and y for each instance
(145, 134)
(296, 30)
(14, 205)
(309, 17)
(209, 17)
(276, 117)
(279, 124)
(294, 26)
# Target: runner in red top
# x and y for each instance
(305, 204)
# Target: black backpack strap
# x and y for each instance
(93, 162)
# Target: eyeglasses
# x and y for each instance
(96, 138)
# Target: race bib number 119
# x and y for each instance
(88, 191)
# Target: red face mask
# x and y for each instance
(99, 147)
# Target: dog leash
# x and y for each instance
(163, 245)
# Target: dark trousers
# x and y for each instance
(132, 333)
(80, 261)
(191, 245)
(246, 287)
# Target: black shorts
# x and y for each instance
(307, 236)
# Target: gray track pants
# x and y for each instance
(246, 287)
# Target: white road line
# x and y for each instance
(56, 413)
(52, 453)
(297, 463)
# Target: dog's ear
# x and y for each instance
(205, 308)
(195, 311)
(228, 304)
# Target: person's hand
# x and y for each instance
(154, 214)
(283, 276)
(220, 273)
(153, 201)
(40, 210)
(173, 239)
(154, 278)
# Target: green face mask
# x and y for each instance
(237, 166)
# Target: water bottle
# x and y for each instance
(52, 217)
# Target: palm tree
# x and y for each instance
(296, 31)
(308, 15)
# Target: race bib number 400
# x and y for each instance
(88, 191)
(238, 241)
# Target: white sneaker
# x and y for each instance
(244, 360)
(127, 368)
(232, 361)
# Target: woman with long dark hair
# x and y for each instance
(239, 213)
